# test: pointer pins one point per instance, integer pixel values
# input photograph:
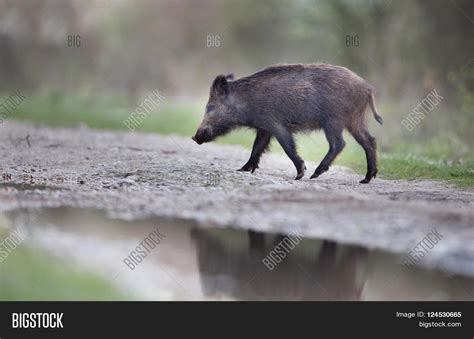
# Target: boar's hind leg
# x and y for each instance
(336, 145)
(287, 142)
(260, 145)
(367, 142)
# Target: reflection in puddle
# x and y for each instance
(313, 270)
(194, 263)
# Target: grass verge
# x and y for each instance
(399, 161)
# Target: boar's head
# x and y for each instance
(220, 116)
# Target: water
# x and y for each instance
(196, 263)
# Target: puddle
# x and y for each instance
(195, 263)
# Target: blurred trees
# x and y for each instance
(405, 48)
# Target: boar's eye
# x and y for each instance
(210, 108)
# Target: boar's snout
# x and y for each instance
(203, 134)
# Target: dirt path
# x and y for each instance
(133, 176)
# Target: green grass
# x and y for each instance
(30, 274)
(399, 161)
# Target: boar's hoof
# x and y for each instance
(368, 177)
(301, 172)
(248, 168)
(319, 171)
(299, 176)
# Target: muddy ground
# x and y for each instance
(137, 176)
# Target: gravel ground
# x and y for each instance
(135, 176)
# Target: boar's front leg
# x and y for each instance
(260, 145)
(287, 142)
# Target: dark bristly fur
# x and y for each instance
(283, 99)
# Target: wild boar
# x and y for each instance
(287, 98)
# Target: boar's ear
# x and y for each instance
(230, 76)
(220, 87)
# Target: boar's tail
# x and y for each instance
(374, 110)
